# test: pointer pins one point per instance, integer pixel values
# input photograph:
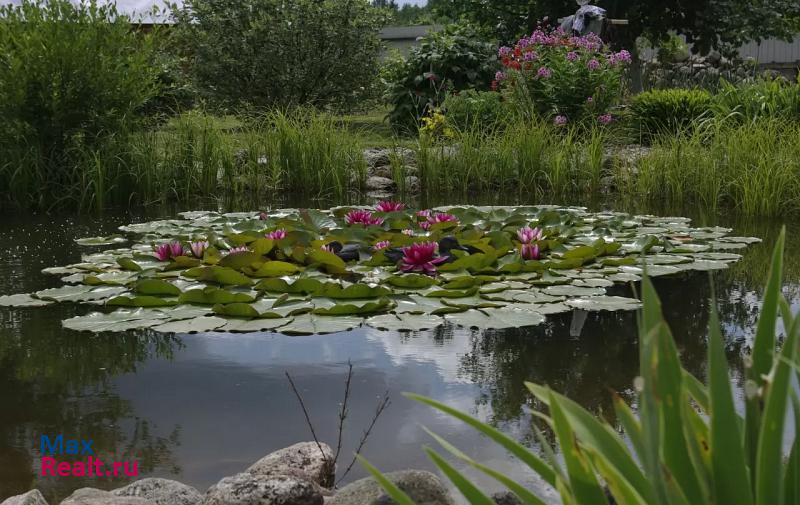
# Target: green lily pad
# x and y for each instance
(309, 324)
(81, 293)
(197, 325)
(95, 241)
(256, 325)
(119, 320)
(22, 300)
(141, 301)
(411, 281)
(497, 319)
(156, 287)
(405, 322)
(212, 296)
(574, 291)
(601, 303)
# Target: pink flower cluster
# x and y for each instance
(527, 234)
(386, 206)
(278, 234)
(421, 258)
(431, 219)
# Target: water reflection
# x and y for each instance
(200, 407)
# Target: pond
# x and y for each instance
(196, 408)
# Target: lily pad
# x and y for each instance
(196, 325)
(22, 300)
(574, 291)
(601, 303)
(96, 241)
(405, 322)
(497, 319)
(119, 320)
(81, 293)
(309, 324)
(255, 325)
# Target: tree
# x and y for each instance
(268, 53)
(706, 24)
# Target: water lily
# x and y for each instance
(198, 248)
(327, 248)
(441, 217)
(529, 252)
(424, 213)
(527, 234)
(364, 217)
(238, 250)
(387, 206)
(408, 232)
(421, 258)
(383, 244)
(263, 216)
(278, 234)
(165, 252)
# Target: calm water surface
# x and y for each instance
(199, 407)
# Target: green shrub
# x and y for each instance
(483, 110)
(688, 442)
(770, 98)
(267, 53)
(561, 78)
(72, 79)
(455, 59)
(669, 111)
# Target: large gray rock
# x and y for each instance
(248, 489)
(162, 492)
(376, 183)
(33, 497)
(304, 461)
(424, 488)
(413, 184)
(385, 171)
(89, 496)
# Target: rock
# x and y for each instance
(248, 489)
(382, 171)
(377, 157)
(424, 488)
(89, 496)
(162, 492)
(413, 184)
(506, 498)
(33, 497)
(380, 183)
(303, 460)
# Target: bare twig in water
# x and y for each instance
(343, 412)
(308, 419)
(382, 406)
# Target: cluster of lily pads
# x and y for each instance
(306, 271)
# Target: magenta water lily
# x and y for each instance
(387, 206)
(168, 251)
(421, 258)
(527, 234)
(238, 250)
(362, 217)
(383, 244)
(278, 234)
(198, 248)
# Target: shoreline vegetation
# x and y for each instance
(750, 168)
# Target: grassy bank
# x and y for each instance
(753, 168)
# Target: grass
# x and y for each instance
(752, 167)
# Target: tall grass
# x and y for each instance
(753, 167)
(524, 159)
(196, 155)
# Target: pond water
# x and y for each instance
(196, 408)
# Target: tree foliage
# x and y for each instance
(268, 53)
(705, 23)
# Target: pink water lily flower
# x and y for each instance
(421, 258)
(529, 252)
(238, 250)
(383, 244)
(165, 252)
(198, 248)
(424, 213)
(408, 232)
(363, 217)
(527, 234)
(387, 206)
(327, 248)
(278, 234)
(439, 217)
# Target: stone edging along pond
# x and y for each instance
(307, 271)
(297, 475)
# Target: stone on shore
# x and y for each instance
(424, 488)
(33, 497)
(162, 492)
